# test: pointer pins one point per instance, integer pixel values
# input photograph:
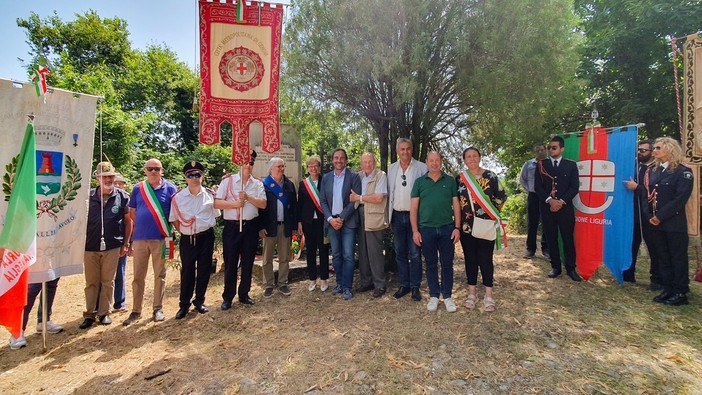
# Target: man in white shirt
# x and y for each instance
(240, 196)
(194, 216)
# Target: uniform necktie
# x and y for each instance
(555, 163)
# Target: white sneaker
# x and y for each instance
(50, 327)
(433, 304)
(323, 286)
(311, 286)
(450, 306)
(16, 344)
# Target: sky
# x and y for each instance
(173, 23)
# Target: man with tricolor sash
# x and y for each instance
(150, 207)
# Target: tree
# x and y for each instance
(627, 58)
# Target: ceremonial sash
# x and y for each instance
(277, 190)
(152, 203)
(484, 202)
(313, 192)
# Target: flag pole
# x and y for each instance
(241, 206)
(44, 315)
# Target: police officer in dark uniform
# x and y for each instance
(668, 186)
(557, 184)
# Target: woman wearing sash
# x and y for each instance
(477, 253)
(310, 217)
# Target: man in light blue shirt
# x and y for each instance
(526, 180)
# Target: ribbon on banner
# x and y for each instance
(240, 66)
(484, 202)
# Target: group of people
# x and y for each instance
(662, 186)
(427, 210)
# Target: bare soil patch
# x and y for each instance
(547, 336)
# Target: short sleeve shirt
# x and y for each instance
(145, 227)
(435, 200)
(229, 190)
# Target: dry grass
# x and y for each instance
(547, 336)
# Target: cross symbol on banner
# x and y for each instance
(242, 68)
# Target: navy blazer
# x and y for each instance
(566, 178)
(673, 188)
(351, 182)
(305, 205)
(269, 214)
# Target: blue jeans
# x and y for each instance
(120, 284)
(342, 243)
(409, 262)
(436, 242)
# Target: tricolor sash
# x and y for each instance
(154, 206)
(313, 192)
(484, 202)
(277, 190)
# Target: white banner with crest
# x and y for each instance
(64, 123)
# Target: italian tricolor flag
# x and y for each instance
(18, 237)
(604, 207)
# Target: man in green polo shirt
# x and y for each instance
(435, 216)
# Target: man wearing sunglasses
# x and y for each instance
(557, 183)
(401, 177)
(150, 206)
(644, 156)
(194, 216)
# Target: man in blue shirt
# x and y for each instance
(526, 180)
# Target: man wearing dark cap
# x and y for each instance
(193, 215)
(108, 232)
(240, 196)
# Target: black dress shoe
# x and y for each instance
(87, 323)
(226, 305)
(416, 295)
(247, 301)
(364, 288)
(202, 309)
(676, 300)
(378, 292)
(401, 292)
(181, 313)
(662, 297)
(574, 275)
(554, 273)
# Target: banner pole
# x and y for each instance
(44, 314)
(241, 207)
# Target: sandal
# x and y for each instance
(470, 302)
(489, 304)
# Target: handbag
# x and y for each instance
(485, 229)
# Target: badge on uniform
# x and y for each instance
(687, 175)
(280, 194)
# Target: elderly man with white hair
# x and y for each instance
(278, 222)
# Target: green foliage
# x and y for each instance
(627, 58)
(515, 212)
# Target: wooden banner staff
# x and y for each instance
(607, 130)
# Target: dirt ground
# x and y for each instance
(547, 336)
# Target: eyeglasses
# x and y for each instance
(553, 147)
(642, 150)
(153, 169)
(404, 180)
(193, 175)
(657, 148)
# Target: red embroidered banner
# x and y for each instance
(239, 69)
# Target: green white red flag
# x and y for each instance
(19, 236)
(39, 80)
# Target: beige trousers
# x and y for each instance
(269, 247)
(142, 250)
(99, 268)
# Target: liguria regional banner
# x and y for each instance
(64, 126)
(604, 207)
(239, 69)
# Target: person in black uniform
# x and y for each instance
(642, 228)
(557, 183)
(668, 186)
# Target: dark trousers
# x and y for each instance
(630, 273)
(477, 254)
(533, 219)
(32, 292)
(646, 230)
(238, 247)
(407, 254)
(196, 266)
(314, 242)
(562, 221)
(671, 249)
